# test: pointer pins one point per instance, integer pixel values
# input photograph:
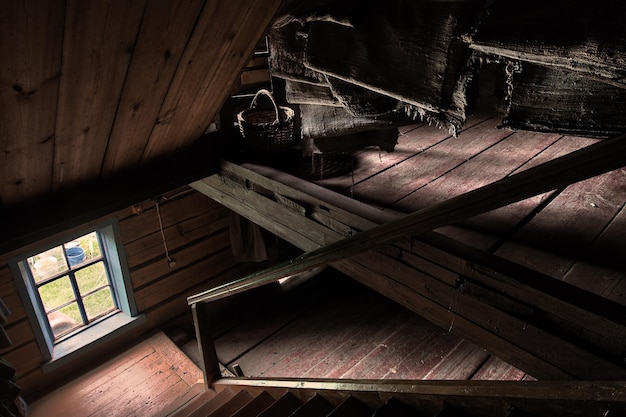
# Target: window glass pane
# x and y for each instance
(85, 248)
(91, 277)
(56, 293)
(47, 264)
(99, 303)
(64, 320)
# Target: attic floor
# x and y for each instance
(333, 327)
(573, 234)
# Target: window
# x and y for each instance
(77, 290)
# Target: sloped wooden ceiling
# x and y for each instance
(92, 89)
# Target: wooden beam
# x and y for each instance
(593, 160)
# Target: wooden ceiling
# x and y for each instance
(92, 89)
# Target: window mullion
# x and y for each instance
(79, 299)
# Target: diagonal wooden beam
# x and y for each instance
(588, 162)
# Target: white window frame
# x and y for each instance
(89, 337)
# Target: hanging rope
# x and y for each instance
(170, 261)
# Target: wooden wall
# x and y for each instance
(196, 229)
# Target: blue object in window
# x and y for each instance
(75, 255)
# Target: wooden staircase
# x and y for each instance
(248, 397)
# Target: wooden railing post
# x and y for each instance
(210, 365)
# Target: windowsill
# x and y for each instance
(91, 338)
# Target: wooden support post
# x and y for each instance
(591, 161)
(210, 365)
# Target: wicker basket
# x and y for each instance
(266, 131)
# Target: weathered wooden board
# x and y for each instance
(287, 42)
(368, 163)
(359, 353)
(207, 270)
(97, 46)
(555, 100)
(143, 250)
(337, 122)
(163, 35)
(477, 169)
(405, 178)
(298, 92)
(496, 369)
(579, 36)
(184, 257)
(213, 59)
(488, 231)
(408, 68)
(557, 237)
(145, 379)
(601, 268)
(32, 40)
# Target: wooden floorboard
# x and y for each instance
(354, 332)
(560, 233)
(150, 377)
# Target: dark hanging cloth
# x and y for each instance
(246, 240)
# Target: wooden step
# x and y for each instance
(201, 406)
(200, 396)
(233, 405)
(314, 407)
(258, 404)
(395, 408)
(351, 407)
(283, 407)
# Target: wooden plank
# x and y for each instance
(183, 258)
(283, 346)
(350, 355)
(478, 169)
(519, 332)
(306, 93)
(554, 239)
(498, 370)
(443, 318)
(211, 62)
(369, 162)
(97, 47)
(488, 231)
(185, 232)
(587, 39)
(163, 35)
(366, 315)
(390, 71)
(199, 272)
(535, 289)
(231, 196)
(31, 42)
(179, 362)
(20, 334)
(434, 162)
(460, 363)
(172, 212)
(406, 334)
(601, 269)
(445, 302)
(25, 358)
